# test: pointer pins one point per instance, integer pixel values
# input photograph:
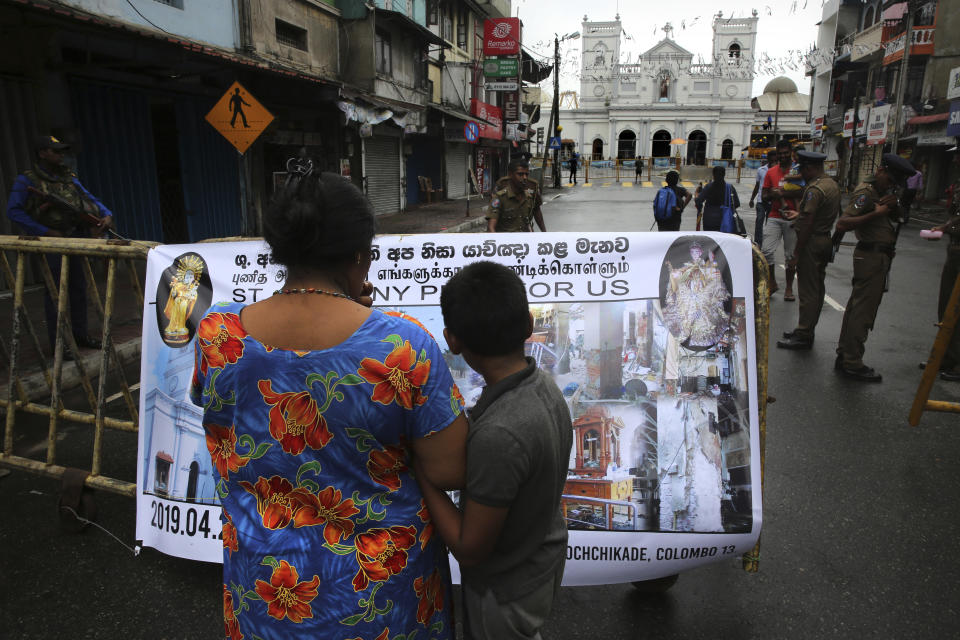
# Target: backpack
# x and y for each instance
(664, 204)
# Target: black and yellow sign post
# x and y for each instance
(239, 117)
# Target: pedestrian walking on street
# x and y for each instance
(914, 186)
(574, 165)
(761, 206)
(714, 197)
(638, 168)
(950, 365)
(819, 208)
(669, 203)
(516, 205)
(49, 200)
(776, 229)
(296, 562)
(872, 215)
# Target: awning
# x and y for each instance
(895, 12)
(400, 20)
(166, 457)
(533, 71)
(453, 113)
(936, 117)
(380, 101)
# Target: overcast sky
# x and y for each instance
(787, 29)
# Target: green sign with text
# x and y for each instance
(501, 67)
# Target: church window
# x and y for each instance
(734, 51)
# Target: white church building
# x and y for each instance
(637, 107)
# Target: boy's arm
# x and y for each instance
(471, 535)
(441, 457)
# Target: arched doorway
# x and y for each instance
(627, 145)
(597, 151)
(726, 149)
(661, 144)
(192, 481)
(697, 148)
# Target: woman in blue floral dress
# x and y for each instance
(313, 405)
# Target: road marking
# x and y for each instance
(606, 184)
(687, 183)
(626, 184)
(588, 184)
(570, 184)
(648, 184)
(830, 301)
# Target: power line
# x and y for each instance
(148, 21)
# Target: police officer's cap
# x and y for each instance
(899, 167)
(810, 157)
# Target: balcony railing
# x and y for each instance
(921, 43)
(867, 41)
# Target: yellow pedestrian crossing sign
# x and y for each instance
(239, 117)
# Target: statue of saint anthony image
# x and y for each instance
(182, 298)
(695, 300)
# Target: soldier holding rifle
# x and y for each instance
(872, 215)
(48, 200)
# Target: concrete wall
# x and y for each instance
(317, 18)
(357, 56)
(211, 21)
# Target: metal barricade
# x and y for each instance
(92, 372)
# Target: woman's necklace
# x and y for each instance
(324, 292)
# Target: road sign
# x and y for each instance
(501, 67)
(501, 86)
(471, 131)
(554, 143)
(239, 117)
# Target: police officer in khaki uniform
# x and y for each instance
(819, 208)
(516, 205)
(872, 215)
(950, 365)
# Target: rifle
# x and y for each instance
(80, 214)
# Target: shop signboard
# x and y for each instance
(862, 115)
(953, 122)
(491, 119)
(506, 67)
(511, 106)
(501, 86)
(501, 36)
(953, 87)
(877, 128)
(816, 127)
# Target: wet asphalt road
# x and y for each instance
(860, 509)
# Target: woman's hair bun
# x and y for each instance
(317, 221)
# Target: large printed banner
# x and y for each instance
(650, 337)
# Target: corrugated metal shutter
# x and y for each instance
(382, 156)
(18, 126)
(117, 162)
(210, 172)
(457, 158)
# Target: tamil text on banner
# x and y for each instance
(650, 337)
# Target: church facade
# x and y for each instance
(636, 108)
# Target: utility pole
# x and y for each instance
(556, 109)
(902, 80)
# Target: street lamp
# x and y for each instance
(556, 100)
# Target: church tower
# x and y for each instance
(734, 54)
(600, 51)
